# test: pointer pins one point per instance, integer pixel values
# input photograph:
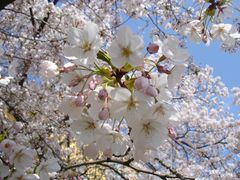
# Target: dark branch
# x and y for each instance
(124, 163)
(5, 3)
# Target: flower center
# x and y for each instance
(146, 128)
(116, 138)
(86, 46)
(90, 125)
(7, 145)
(126, 52)
(221, 30)
(131, 103)
(159, 110)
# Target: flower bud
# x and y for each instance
(68, 67)
(103, 114)
(171, 133)
(80, 101)
(152, 48)
(102, 94)
(92, 84)
(48, 69)
(151, 91)
(141, 83)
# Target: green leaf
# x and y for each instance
(103, 71)
(104, 56)
(127, 67)
(210, 12)
(130, 83)
(109, 81)
(3, 135)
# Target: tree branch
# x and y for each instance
(124, 163)
(5, 3)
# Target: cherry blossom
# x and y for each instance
(48, 166)
(48, 69)
(85, 44)
(22, 158)
(172, 50)
(82, 96)
(126, 48)
(124, 104)
(221, 31)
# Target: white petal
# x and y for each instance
(123, 36)
(120, 94)
(72, 52)
(73, 36)
(92, 31)
(175, 76)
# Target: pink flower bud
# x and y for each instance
(152, 48)
(171, 133)
(68, 67)
(102, 94)
(141, 83)
(92, 84)
(80, 101)
(151, 91)
(103, 114)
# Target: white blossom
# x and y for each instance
(220, 31)
(85, 44)
(172, 50)
(49, 166)
(48, 69)
(125, 104)
(126, 48)
(22, 158)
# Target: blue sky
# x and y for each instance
(226, 65)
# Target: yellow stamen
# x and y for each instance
(86, 46)
(131, 103)
(126, 52)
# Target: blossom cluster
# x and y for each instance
(22, 158)
(78, 96)
(112, 94)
